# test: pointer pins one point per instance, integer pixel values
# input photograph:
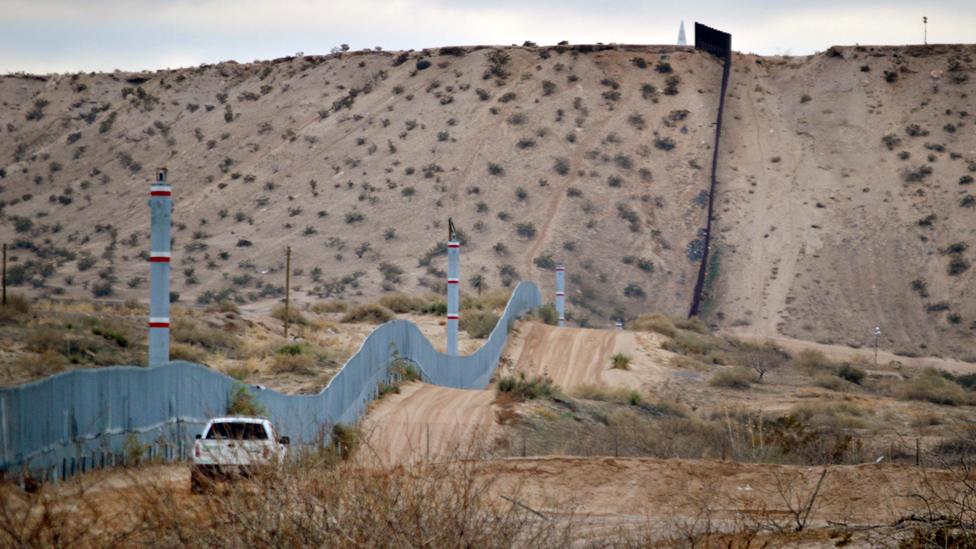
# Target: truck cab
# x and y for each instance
(234, 446)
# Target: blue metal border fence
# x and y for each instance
(84, 419)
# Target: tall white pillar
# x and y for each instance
(561, 295)
(161, 208)
(453, 293)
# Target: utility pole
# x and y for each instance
(4, 274)
(287, 287)
(925, 27)
(877, 334)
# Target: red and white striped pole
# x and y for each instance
(161, 208)
(453, 293)
(561, 295)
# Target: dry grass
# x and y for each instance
(315, 501)
(330, 306)
(294, 315)
(733, 378)
(930, 386)
(369, 313)
(654, 322)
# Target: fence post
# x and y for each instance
(4, 274)
(287, 286)
(561, 295)
(453, 292)
(161, 207)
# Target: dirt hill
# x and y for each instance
(595, 156)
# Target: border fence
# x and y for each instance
(86, 419)
(719, 44)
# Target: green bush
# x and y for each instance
(345, 439)
(479, 324)
(242, 403)
(522, 389)
(850, 373)
(111, 335)
(620, 361)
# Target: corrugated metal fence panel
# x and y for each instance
(83, 418)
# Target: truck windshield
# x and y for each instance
(237, 431)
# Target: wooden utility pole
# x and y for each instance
(287, 287)
(4, 274)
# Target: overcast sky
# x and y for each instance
(85, 35)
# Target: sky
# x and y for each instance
(43, 36)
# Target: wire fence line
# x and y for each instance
(84, 419)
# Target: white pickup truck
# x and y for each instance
(234, 445)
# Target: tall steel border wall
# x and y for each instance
(83, 419)
(719, 44)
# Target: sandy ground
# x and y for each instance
(427, 423)
(616, 497)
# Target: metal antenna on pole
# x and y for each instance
(925, 26)
(4, 274)
(877, 334)
(287, 286)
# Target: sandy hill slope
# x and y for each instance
(595, 156)
(846, 199)
(357, 160)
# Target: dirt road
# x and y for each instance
(428, 423)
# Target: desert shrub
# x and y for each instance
(685, 343)
(330, 306)
(654, 322)
(479, 324)
(400, 303)
(732, 378)
(932, 387)
(294, 315)
(436, 307)
(634, 291)
(545, 261)
(664, 143)
(547, 314)
(520, 388)
(189, 353)
(193, 332)
(111, 335)
(663, 67)
(811, 361)
(620, 361)
(371, 313)
(495, 169)
(345, 439)
(891, 141)
(525, 230)
(301, 363)
(957, 266)
(914, 175)
(561, 166)
(692, 324)
(851, 373)
(17, 305)
(40, 364)
(243, 403)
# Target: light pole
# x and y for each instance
(877, 334)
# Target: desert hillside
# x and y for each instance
(844, 197)
(591, 157)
